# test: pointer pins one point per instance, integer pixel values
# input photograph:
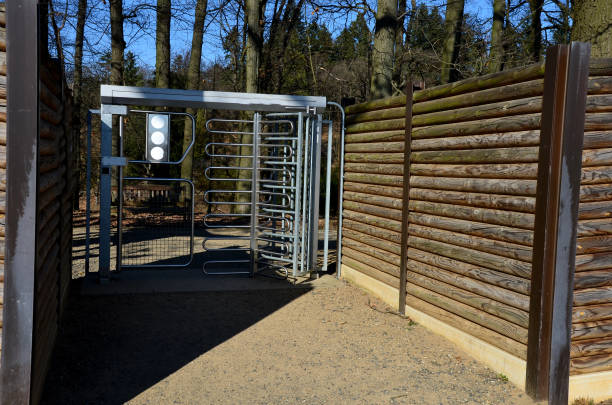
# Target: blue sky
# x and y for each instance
(141, 40)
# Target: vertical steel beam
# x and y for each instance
(315, 184)
(328, 174)
(23, 50)
(254, 191)
(405, 200)
(557, 198)
(106, 139)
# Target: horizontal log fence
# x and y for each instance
(469, 199)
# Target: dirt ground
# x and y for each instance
(326, 343)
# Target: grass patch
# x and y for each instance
(583, 401)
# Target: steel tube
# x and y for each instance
(340, 192)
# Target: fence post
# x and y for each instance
(405, 199)
(556, 219)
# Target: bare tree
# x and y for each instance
(254, 43)
(382, 54)
(193, 80)
(162, 44)
(535, 29)
(77, 121)
(452, 29)
(593, 23)
(496, 52)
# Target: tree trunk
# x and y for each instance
(535, 33)
(162, 45)
(382, 54)
(253, 44)
(193, 82)
(116, 75)
(593, 23)
(400, 68)
(496, 53)
(452, 33)
(77, 121)
(253, 14)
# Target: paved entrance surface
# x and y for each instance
(322, 342)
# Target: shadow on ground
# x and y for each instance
(111, 348)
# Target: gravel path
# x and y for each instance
(327, 345)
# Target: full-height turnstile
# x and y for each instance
(264, 215)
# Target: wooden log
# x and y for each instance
(377, 115)
(597, 157)
(391, 238)
(591, 313)
(593, 296)
(497, 186)
(592, 330)
(376, 210)
(591, 347)
(488, 260)
(374, 147)
(374, 157)
(590, 364)
(387, 102)
(496, 201)
(600, 67)
(381, 244)
(49, 99)
(600, 85)
(395, 192)
(593, 261)
(504, 109)
(508, 92)
(493, 80)
(501, 155)
(487, 126)
(508, 139)
(373, 220)
(471, 328)
(490, 216)
(597, 139)
(378, 179)
(590, 279)
(510, 250)
(372, 251)
(482, 318)
(377, 168)
(371, 271)
(522, 171)
(598, 122)
(594, 244)
(596, 175)
(596, 192)
(599, 103)
(508, 234)
(594, 227)
(378, 264)
(429, 280)
(379, 200)
(384, 136)
(375, 126)
(471, 284)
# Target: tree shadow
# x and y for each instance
(111, 348)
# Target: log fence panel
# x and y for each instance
(474, 155)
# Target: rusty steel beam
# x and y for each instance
(405, 200)
(556, 219)
(21, 211)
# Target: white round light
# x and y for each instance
(157, 153)
(158, 138)
(158, 122)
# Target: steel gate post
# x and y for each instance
(298, 171)
(254, 191)
(106, 139)
(327, 192)
(315, 183)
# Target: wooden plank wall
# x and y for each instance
(472, 199)
(54, 244)
(591, 348)
(2, 154)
